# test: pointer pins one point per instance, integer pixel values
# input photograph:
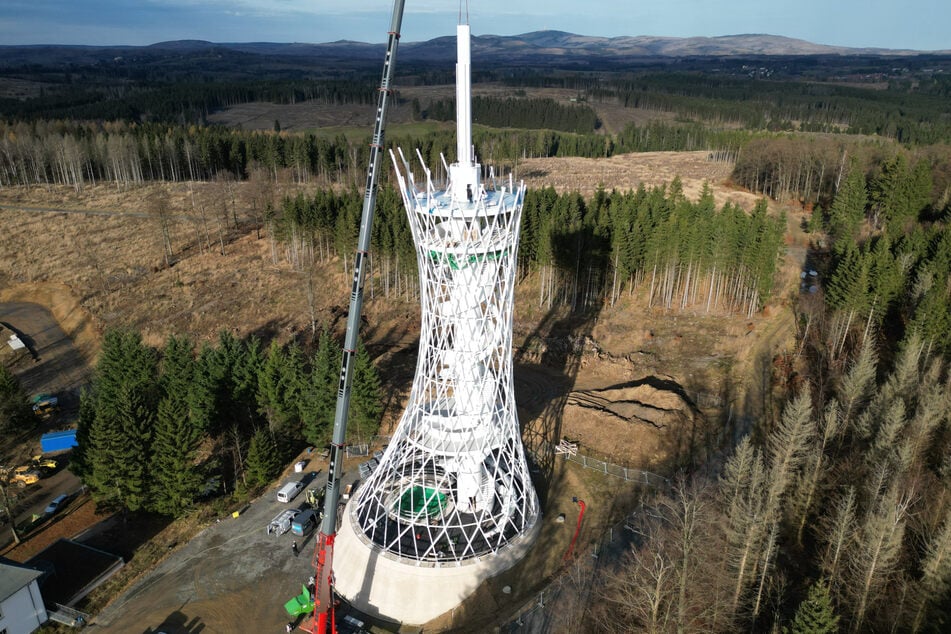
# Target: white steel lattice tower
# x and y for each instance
(451, 502)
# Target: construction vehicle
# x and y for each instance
(45, 405)
(315, 496)
(25, 476)
(323, 619)
(41, 462)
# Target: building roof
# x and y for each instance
(74, 568)
(14, 576)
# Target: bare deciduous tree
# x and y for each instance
(159, 207)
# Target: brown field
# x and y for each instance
(309, 116)
(18, 88)
(626, 171)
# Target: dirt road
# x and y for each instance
(60, 369)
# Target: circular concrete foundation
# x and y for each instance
(408, 591)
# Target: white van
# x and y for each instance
(289, 491)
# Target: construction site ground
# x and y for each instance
(232, 577)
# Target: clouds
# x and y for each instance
(279, 7)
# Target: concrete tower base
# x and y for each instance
(407, 591)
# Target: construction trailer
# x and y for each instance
(58, 441)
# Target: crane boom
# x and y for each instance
(323, 604)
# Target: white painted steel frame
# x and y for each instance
(453, 485)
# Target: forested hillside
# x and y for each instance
(834, 515)
(833, 518)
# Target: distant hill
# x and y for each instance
(647, 45)
(561, 44)
(529, 48)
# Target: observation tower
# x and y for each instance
(451, 502)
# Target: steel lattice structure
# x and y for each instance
(453, 485)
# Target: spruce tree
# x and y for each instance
(935, 575)
(319, 396)
(130, 454)
(178, 366)
(366, 401)
(815, 220)
(176, 478)
(848, 208)
(204, 392)
(848, 287)
(269, 379)
(263, 462)
(79, 462)
(900, 193)
(815, 614)
(243, 370)
(279, 386)
(15, 412)
(118, 422)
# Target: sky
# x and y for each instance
(900, 24)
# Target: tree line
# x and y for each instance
(181, 102)
(584, 253)
(158, 429)
(889, 265)
(811, 168)
(677, 252)
(76, 154)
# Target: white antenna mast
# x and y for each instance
(464, 174)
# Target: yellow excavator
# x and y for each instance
(42, 462)
(25, 476)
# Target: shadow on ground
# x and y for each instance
(177, 623)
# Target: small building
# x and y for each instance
(21, 606)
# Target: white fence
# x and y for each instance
(639, 476)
